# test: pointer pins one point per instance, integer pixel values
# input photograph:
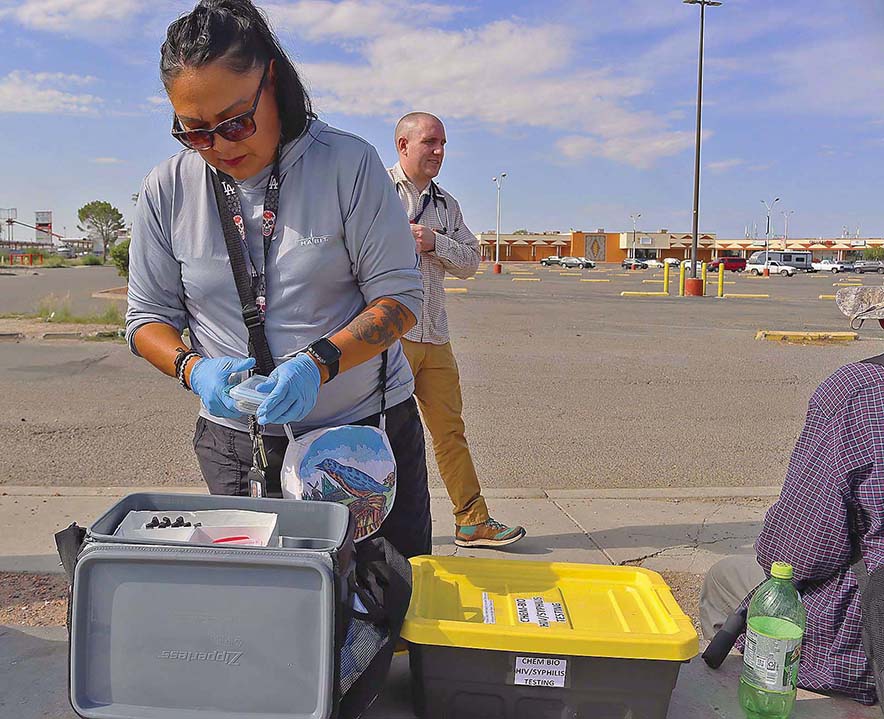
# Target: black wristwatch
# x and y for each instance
(326, 353)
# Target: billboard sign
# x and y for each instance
(43, 223)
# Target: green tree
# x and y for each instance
(119, 255)
(873, 253)
(521, 232)
(101, 220)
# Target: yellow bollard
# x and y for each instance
(720, 280)
(666, 278)
(681, 273)
(703, 276)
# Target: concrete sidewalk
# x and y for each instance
(683, 530)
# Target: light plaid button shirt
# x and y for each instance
(457, 252)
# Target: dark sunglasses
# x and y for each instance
(234, 129)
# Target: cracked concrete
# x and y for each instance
(686, 536)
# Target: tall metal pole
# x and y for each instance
(498, 180)
(786, 214)
(497, 242)
(696, 213)
(769, 208)
(634, 218)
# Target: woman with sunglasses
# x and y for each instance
(327, 247)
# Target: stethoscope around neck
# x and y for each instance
(436, 197)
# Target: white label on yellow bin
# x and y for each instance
(488, 609)
(536, 611)
(540, 672)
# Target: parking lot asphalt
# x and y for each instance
(567, 385)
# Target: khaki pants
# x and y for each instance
(437, 388)
(727, 584)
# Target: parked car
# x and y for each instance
(828, 265)
(631, 262)
(673, 262)
(65, 252)
(863, 266)
(775, 268)
(577, 262)
(551, 261)
(731, 264)
(653, 263)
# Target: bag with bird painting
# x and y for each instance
(352, 464)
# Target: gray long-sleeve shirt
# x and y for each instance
(342, 241)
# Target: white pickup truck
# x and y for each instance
(775, 268)
(832, 266)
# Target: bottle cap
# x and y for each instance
(781, 570)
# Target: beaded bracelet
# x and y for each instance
(181, 365)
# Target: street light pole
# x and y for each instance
(786, 214)
(769, 208)
(497, 181)
(634, 218)
(696, 212)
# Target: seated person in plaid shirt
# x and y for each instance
(836, 472)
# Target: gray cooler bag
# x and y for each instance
(163, 630)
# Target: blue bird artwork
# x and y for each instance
(353, 480)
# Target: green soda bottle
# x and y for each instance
(774, 629)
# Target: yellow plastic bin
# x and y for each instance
(506, 639)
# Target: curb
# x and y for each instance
(784, 336)
(112, 293)
(62, 335)
(435, 492)
(13, 336)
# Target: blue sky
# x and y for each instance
(588, 105)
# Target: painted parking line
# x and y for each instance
(730, 295)
(644, 294)
(570, 274)
(652, 282)
(595, 280)
(456, 290)
(790, 336)
(526, 279)
(847, 284)
(827, 297)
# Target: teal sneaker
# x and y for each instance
(487, 534)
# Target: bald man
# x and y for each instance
(444, 244)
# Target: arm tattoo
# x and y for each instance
(380, 324)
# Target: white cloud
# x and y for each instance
(107, 161)
(351, 19)
(720, 166)
(158, 100)
(72, 15)
(46, 93)
(641, 151)
(504, 74)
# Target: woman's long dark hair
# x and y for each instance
(236, 32)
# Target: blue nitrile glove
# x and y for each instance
(210, 380)
(293, 387)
